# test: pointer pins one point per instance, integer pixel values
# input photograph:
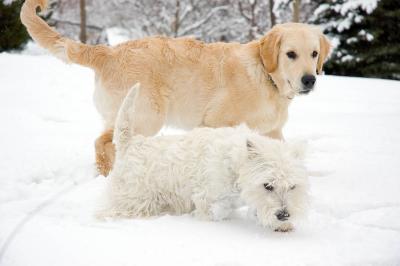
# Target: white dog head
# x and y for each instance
(273, 181)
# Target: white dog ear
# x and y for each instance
(252, 151)
(250, 145)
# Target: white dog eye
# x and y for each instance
(268, 187)
(292, 187)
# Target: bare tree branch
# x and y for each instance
(77, 24)
(82, 8)
(201, 22)
(188, 9)
(241, 10)
(296, 10)
(271, 13)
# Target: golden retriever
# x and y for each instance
(188, 83)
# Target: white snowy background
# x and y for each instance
(49, 188)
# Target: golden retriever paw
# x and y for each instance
(103, 165)
(105, 153)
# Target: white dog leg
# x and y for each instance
(252, 214)
(214, 210)
(221, 209)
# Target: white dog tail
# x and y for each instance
(123, 130)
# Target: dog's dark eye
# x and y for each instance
(268, 187)
(291, 55)
(292, 187)
(314, 54)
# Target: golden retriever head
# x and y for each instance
(293, 53)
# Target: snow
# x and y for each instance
(368, 36)
(348, 13)
(117, 35)
(347, 58)
(351, 40)
(7, 2)
(49, 188)
(366, 5)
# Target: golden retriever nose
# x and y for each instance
(308, 81)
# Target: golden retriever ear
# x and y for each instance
(325, 47)
(269, 50)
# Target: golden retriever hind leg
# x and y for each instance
(276, 134)
(105, 152)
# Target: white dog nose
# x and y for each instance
(282, 215)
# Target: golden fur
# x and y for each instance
(188, 83)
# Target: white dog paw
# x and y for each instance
(252, 214)
(202, 214)
(220, 211)
(285, 227)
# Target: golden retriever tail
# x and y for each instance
(123, 130)
(67, 50)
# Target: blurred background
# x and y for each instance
(364, 32)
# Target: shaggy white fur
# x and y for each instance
(204, 172)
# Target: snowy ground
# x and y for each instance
(49, 187)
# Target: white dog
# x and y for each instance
(204, 172)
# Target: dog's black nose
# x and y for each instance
(308, 82)
(282, 215)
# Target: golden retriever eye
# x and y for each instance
(291, 55)
(314, 54)
(292, 187)
(268, 187)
